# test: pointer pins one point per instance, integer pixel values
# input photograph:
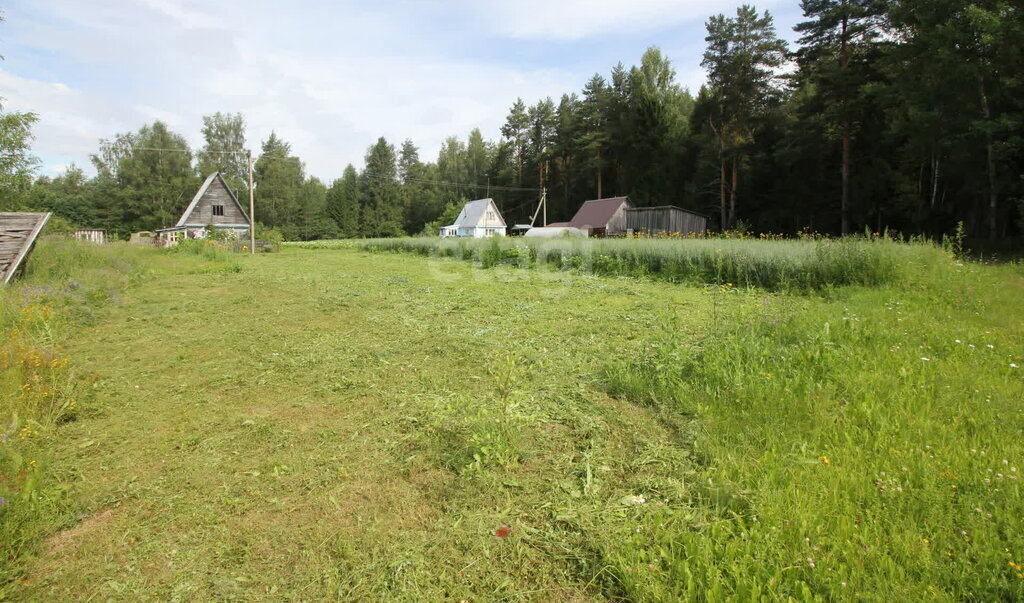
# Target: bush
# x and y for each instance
(268, 239)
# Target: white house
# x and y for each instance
(478, 219)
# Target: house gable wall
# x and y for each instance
(491, 217)
(617, 223)
(216, 194)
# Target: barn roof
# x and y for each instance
(202, 191)
(18, 232)
(472, 211)
(597, 212)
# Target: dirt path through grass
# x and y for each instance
(341, 424)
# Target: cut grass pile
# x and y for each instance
(778, 265)
(342, 424)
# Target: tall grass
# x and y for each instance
(788, 265)
(867, 448)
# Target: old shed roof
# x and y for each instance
(598, 212)
(18, 231)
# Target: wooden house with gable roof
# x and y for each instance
(477, 219)
(215, 203)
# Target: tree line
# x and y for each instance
(903, 114)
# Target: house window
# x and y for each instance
(218, 210)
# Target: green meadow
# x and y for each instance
(651, 420)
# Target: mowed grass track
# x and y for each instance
(343, 424)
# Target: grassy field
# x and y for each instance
(340, 423)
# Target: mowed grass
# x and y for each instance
(344, 424)
(66, 286)
(354, 425)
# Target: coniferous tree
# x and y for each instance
(565, 150)
(516, 131)
(278, 180)
(837, 39)
(382, 214)
(477, 157)
(420, 199)
(658, 111)
(343, 203)
(594, 133)
(315, 220)
(742, 54)
(957, 71)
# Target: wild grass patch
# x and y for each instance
(867, 447)
(781, 265)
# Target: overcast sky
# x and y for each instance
(329, 77)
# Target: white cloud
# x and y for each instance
(181, 13)
(577, 19)
(328, 78)
(167, 60)
(70, 122)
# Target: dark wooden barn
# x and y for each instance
(664, 218)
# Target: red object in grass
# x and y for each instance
(503, 532)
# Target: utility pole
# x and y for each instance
(541, 204)
(252, 210)
(544, 202)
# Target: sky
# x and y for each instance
(329, 77)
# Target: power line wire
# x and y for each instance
(492, 187)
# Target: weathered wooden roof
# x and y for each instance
(18, 232)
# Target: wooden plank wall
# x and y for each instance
(664, 219)
(216, 194)
(617, 223)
